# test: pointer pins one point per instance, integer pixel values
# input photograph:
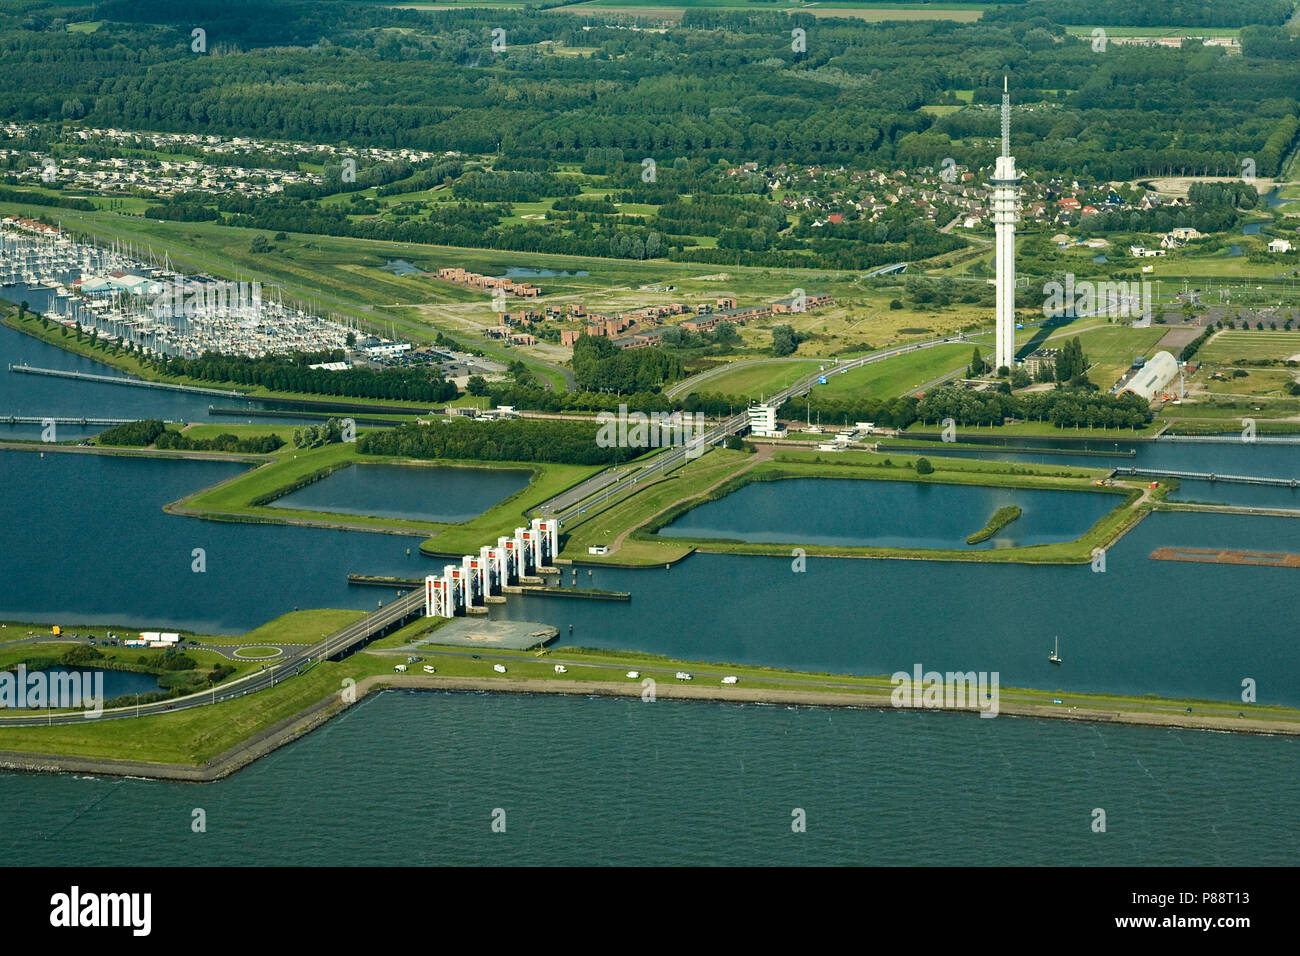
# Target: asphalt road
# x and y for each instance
(621, 478)
(293, 663)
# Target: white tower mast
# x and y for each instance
(1006, 193)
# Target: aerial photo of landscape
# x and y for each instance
(651, 433)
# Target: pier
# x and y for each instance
(1209, 476)
(1231, 439)
(1270, 559)
(120, 380)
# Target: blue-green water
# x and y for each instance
(1261, 459)
(46, 397)
(87, 541)
(115, 683)
(1142, 626)
(415, 778)
(902, 514)
(408, 491)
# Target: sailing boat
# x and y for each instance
(1056, 652)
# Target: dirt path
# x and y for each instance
(763, 454)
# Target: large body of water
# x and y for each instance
(415, 778)
(1142, 626)
(408, 491)
(87, 542)
(891, 514)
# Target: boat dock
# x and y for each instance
(1269, 559)
(1209, 476)
(121, 380)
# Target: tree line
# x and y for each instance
(563, 442)
(292, 374)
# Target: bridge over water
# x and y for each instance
(1209, 476)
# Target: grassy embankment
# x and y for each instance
(246, 497)
(663, 504)
(193, 737)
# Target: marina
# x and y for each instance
(128, 296)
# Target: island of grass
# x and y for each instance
(246, 497)
(1001, 518)
(628, 525)
(211, 741)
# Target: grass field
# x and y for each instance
(1229, 345)
(896, 376)
(605, 525)
(754, 379)
(192, 737)
(1111, 349)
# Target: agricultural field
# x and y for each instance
(1230, 345)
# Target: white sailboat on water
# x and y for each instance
(1056, 652)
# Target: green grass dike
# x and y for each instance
(247, 497)
(633, 522)
(219, 738)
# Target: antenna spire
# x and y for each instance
(1006, 119)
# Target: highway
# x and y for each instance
(341, 640)
(616, 480)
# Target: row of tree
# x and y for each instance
(563, 442)
(1067, 407)
(293, 374)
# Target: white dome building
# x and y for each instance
(1151, 380)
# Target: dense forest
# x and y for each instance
(722, 84)
(601, 366)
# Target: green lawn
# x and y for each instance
(895, 376)
(755, 379)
